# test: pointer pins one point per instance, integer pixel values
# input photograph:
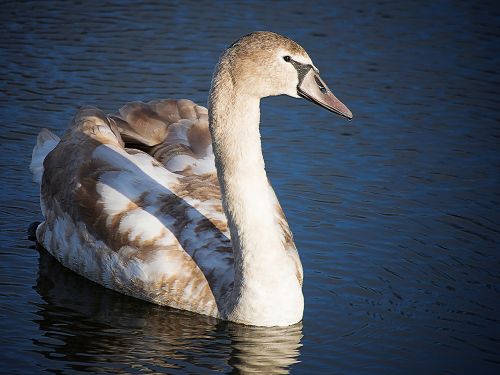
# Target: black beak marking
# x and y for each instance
(302, 69)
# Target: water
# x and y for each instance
(395, 213)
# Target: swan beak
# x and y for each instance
(314, 89)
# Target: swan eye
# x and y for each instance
(287, 58)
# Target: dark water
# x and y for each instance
(395, 214)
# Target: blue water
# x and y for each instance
(395, 214)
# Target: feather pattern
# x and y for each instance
(145, 221)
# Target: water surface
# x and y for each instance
(395, 213)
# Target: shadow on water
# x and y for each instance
(90, 328)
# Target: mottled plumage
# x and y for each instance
(148, 225)
(170, 203)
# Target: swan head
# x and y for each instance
(265, 64)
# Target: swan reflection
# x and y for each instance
(86, 327)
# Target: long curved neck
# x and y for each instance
(266, 290)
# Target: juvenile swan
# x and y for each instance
(169, 203)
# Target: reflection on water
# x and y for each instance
(90, 328)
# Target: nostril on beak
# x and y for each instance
(320, 84)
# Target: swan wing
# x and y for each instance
(122, 219)
(174, 132)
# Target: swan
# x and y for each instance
(169, 202)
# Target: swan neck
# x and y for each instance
(265, 278)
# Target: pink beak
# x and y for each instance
(314, 89)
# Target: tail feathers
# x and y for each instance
(46, 142)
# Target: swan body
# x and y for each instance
(168, 202)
